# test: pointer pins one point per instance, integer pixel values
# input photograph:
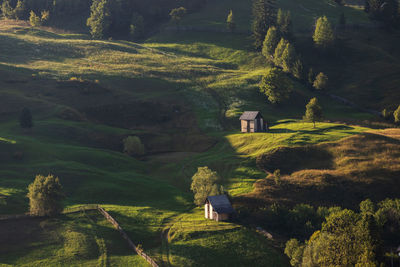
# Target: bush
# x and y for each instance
(133, 146)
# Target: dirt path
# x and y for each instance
(165, 247)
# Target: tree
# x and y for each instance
(45, 196)
(7, 10)
(323, 35)
(34, 19)
(346, 239)
(264, 16)
(20, 9)
(313, 111)
(136, 29)
(44, 16)
(133, 146)
(386, 114)
(294, 250)
(311, 76)
(230, 22)
(396, 115)
(288, 57)
(321, 81)
(280, 48)
(99, 20)
(367, 207)
(277, 177)
(342, 20)
(25, 119)
(204, 184)
(298, 70)
(270, 42)
(284, 24)
(177, 14)
(276, 86)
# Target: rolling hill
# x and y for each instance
(181, 92)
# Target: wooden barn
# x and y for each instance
(218, 208)
(253, 122)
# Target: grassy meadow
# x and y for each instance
(181, 93)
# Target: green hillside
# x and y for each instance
(181, 92)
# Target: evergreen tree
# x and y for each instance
(280, 48)
(20, 9)
(366, 6)
(323, 36)
(284, 24)
(7, 10)
(136, 29)
(270, 42)
(313, 111)
(385, 114)
(298, 70)
(276, 86)
(390, 12)
(25, 119)
(342, 20)
(396, 115)
(288, 57)
(311, 76)
(204, 184)
(45, 196)
(264, 16)
(321, 81)
(230, 22)
(99, 20)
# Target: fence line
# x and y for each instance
(106, 215)
(140, 252)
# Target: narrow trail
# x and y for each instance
(101, 244)
(165, 248)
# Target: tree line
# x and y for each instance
(105, 18)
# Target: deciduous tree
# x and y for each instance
(133, 146)
(45, 196)
(204, 184)
(177, 15)
(276, 86)
(313, 111)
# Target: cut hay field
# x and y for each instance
(181, 93)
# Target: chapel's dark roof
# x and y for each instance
(249, 115)
(221, 204)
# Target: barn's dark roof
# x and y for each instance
(221, 204)
(249, 115)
